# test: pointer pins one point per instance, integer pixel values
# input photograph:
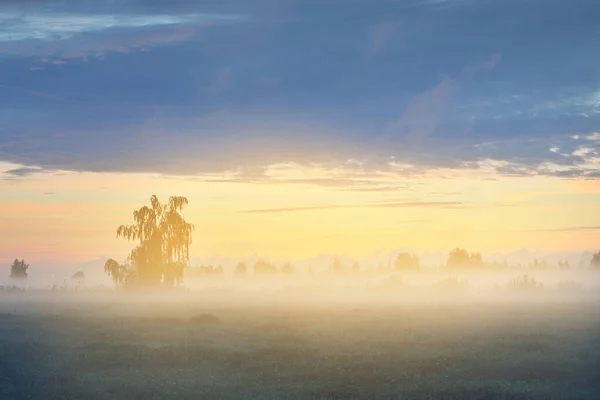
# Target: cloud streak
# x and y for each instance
(440, 204)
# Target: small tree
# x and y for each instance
(263, 267)
(595, 263)
(287, 269)
(18, 269)
(460, 258)
(405, 261)
(119, 273)
(241, 269)
(337, 267)
(78, 278)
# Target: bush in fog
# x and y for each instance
(337, 268)
(241, 269)
(453, 285)
(564, 265)
(262, 267)
(204, 271)
(568, 286)
(460, 258)
(18, 269)
(119, 273)
(405, 261)
(524, 283)
(287, 269)
(11, 288)
(595, 263)
(538, 265)
(78, 278)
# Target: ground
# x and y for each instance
(195, 349)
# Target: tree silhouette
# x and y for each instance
(78, 278)
(163, 251)
(205, 270)
(287, 269)
(459, 258)
(405, 261)
(241, 269)
(18, 269)
(595, 263)
(263, 267)
(337, 267)
(117, 272)
(355, 268)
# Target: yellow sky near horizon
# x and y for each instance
(73, 216)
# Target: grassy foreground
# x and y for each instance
(105, 349)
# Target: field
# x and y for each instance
(193, 347)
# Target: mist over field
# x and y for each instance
(299, 199)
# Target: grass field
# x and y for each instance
(194, 348)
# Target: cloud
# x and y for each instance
(424, 111)
(16, 27)
(140, 108)
(57, 37)
(440, 204)
(87, 45)
(567, 229)
(224, 81)
(23, 172)
(380, 35)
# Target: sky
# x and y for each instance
(301, 127)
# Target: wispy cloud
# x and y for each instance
(23, 172)
(60, 26)
(440, 204)
(380, 35)
(425, 110)
(61, 36)
(567, 229)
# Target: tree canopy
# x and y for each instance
(405, 261)
(163, 251)
(595, 263)
(18, 269)
(460, 258)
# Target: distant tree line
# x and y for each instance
(161, 256)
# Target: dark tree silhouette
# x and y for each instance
(78, 278)
(405, 261)
(163, 251)
(595, 263)
(18, 269)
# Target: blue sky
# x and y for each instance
(182, 87)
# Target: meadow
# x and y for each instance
(277, 345)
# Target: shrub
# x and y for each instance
(405, 261)
(453, 285)
(524, 283)
(18, 269)
(595, 263)
(568, 286)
